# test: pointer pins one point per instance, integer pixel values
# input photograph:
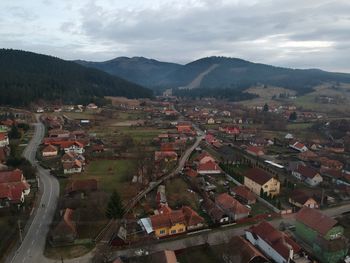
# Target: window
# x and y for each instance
(162, 232)
(173, 231)
(180, 230)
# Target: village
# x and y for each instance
(136, 175)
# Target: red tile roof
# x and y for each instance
(255, 150)
(208, 166)
(280, 242)
(3, 136)
(50, 148)
(227, 202)
(244, 192)
(316, 220)
(191, 217)
(191, 173)
(257, 175)
(11, 176)
(306, 171)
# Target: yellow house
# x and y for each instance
(256, 180)
(171, 222)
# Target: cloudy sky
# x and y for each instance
(294, 33)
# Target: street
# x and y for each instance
(32, 247)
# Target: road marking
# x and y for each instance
(23, 259)
(28, 250)
(33, 242)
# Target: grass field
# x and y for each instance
(111, 175)
(178, 194)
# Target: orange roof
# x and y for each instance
(208, 166)
(3, 136)
(50, 148)
(227, 202)
(244, 192)
(11, 176)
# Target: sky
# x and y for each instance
(292, 33)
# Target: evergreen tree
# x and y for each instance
(14, 133)
(115, 207)
(293, 116)
(266, 108)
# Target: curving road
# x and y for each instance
(32, 247)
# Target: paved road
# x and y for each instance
(32, 247)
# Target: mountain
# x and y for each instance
(143, 71)
(26, 77)
(219, 73)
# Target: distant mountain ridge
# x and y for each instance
(140, 70)
(215, 73)
(26, 77)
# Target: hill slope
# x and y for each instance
(146, 72)
(26, 77)
(220, 73)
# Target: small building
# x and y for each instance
(298, 146)
(273, 243)
(204, 157)
(244, 194)
(300, 198)
(216, 214)
(91, 106)
(209, 167)
(308, 175)
(327, 163)
(242, 251)
(4, 139)
(65, 232)
(171, 222)
(259, 181)
(323, 234)
(167, 156)
(211, 121)
(81, 186)
(234, 209)
(255, 150)
(50, 151)
(72, 167)
(72, 146)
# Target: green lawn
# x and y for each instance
(259, 208)
(111, 175)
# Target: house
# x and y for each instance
(209, 167)
(65, 232)
(209, 138)
(91, 106)
(211, 121)
(4, 139)
(59, 133)
(298, 146)
(204, 157)
(13, 188)
(307, 156)
(230, 130)
(234, 209)
(243, 194)
(273, 243)
(308, 175)
(242, 251)
(327, 163)
(259, 181)
(50, 151)
(185, 128)
(167, 156)
(300, 198)
(191, 173)
(171, 222)
(72, 167)
(73, 146)
(81, 186)
(289, 136)
(322, 233)
(217, 214)
(255, 150)
(71, 157)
